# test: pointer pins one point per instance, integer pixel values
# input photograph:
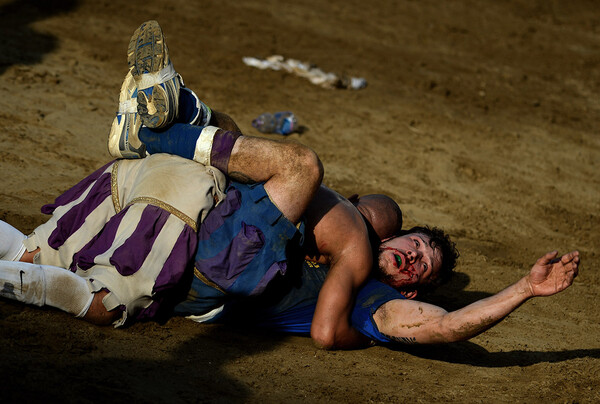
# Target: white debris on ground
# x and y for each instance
(306, 70)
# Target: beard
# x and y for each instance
(382, 276)
(401, 280)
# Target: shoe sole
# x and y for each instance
(147, 51)
(148, 54)
(153, 107)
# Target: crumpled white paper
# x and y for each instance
(306, 70)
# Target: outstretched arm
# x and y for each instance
(421, 323)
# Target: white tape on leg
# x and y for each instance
(204, 145)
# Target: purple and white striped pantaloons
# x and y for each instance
(130, 228)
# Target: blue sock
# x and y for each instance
(188, 111)
(179, 139)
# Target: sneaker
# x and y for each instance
(123, 141)
(157, 81)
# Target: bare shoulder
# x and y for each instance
(328, 204)
(323, 203)
(336, 224)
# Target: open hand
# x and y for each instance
(551, 275)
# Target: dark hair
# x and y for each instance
(438, 239)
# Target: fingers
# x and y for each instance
(551, 257)
(571, 262)
(547, 258)
(572, 256)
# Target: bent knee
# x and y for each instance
(223, 121)
(315, 167)
(98, 314)
(307, 163)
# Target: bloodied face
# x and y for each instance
(409, 261)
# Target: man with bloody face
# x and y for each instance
(272, 209)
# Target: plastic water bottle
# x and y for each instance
(284, 123)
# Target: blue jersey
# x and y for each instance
(289, 305)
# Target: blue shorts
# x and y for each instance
(243, 244)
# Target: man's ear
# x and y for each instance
(409, 294)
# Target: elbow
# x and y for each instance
(323, 338)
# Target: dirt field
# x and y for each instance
(480, 117)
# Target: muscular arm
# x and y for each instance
(416, 322)
(331, 328)
(343, 237)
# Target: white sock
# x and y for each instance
(45, 285)
(11, 242)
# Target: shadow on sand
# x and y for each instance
(468, 353)
(45, 362)
(21, 44)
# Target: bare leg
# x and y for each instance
(223, 121)
(28, 255)
(292, 172)
(97, 313)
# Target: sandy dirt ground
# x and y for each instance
(480, 117)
